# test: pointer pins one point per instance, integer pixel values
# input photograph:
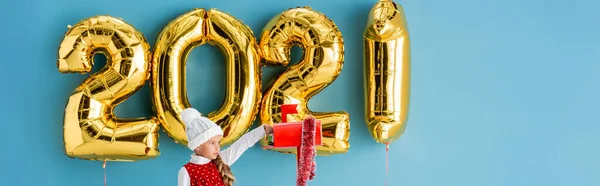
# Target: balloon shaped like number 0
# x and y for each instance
(91, 130)
(243, 94)
(322, 62)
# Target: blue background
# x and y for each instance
(503, 93)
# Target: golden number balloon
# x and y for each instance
(322, 62)
(387, 69)
(91, 130)
(237, 41)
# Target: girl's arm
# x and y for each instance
(183, 178)
(231, 154)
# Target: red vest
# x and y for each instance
(204, 175)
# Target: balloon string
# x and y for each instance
(104, 167)
(387, 149)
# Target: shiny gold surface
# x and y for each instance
(387, 71)
(91, 130)
(237, 42)
(321, 64)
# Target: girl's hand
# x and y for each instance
(268, 129)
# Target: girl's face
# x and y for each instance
(210, 149)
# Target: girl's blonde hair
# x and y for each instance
(225, 171)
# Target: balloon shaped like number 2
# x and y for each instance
(91, 131)
(321, 64)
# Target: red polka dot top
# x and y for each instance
(204, 175)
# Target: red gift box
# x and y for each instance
(286, 135)
(289, 134)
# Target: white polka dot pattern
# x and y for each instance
(204, 175)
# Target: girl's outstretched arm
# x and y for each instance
(231, 154)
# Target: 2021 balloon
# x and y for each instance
(321, 64)
(91, 130)
(242, 94)
(387, 71)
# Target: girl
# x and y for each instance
(209, 166)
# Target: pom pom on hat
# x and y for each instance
(198, 129)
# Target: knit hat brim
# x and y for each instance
(205, 136)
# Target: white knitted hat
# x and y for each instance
(198, 129)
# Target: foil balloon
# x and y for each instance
(387, 71)
(91, 130)
(237, 42)
(321, 64)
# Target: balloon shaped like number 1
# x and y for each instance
(91, 130)
(387, 71)
(322, 62)
(243, 94)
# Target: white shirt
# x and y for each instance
(229, 155)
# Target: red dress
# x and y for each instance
(204, 175)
